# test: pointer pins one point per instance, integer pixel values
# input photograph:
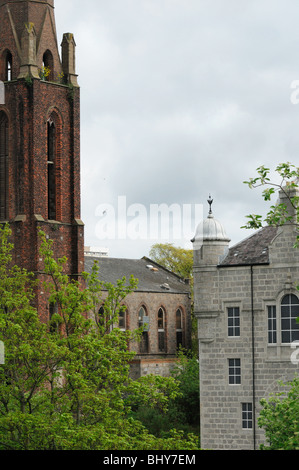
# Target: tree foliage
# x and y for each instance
(277, 214)
(280, 418)
(65, 384)
(175, 259)
(182, 410)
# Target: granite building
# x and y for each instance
(246, 302)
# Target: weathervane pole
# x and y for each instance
(210, 202)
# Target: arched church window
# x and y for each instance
(144, 323)
(161, 330)
(179, 328)
(3, 165)
(122, 320)
(51, 170)
(289, 315)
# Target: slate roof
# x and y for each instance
(252, 250)
(154, 279)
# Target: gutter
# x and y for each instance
(253, 357)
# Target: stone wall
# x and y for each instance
(262, 365)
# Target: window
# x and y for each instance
(3, 165)
(122, 320)
(8, 67)
(179, 328)
(233, 321)
(51, 170)
(143, 322)
(247, 416)
(272, 328)
(289, 314)
(48, 65)
(234, 371)
(101, 319)
(53, 310)
(161, 330)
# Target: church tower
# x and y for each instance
(39, 138)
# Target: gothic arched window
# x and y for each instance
(51, 170)
(161, 330)
(122, 320)
(144, 322)
(3, 165)
(179, 328)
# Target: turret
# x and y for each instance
(210, 241)
(210, 244)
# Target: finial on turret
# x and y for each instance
(210, 202)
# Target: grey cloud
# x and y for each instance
(182, 98)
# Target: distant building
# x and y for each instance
(96, 251)
(246, 303)
(161, 303)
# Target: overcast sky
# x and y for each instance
(179, 99)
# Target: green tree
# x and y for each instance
(182, 411)
(277, 214)
(175, 259)
(186, 374)
(280, 418)
(179, 261)
(65, 385)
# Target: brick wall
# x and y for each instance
(29, 103)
